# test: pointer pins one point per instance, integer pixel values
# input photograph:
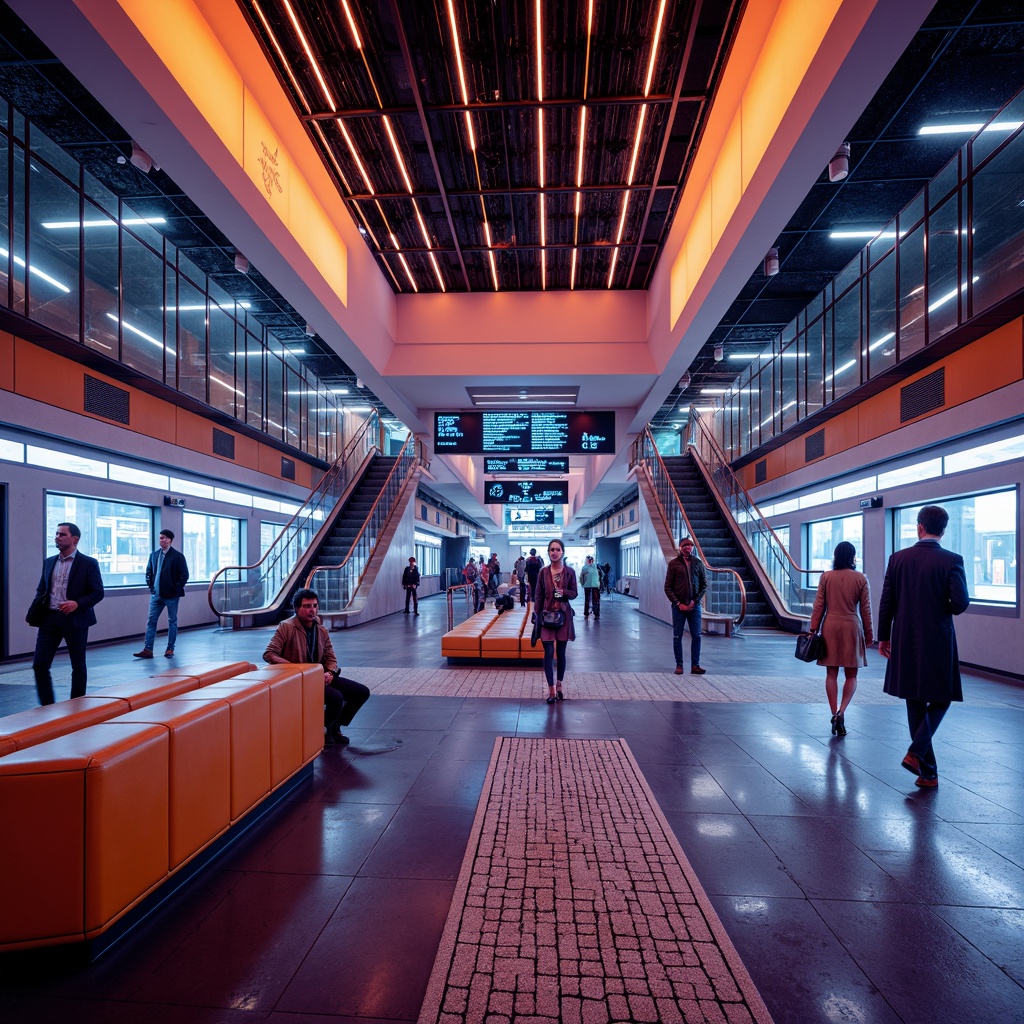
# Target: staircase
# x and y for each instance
(343, 535)
(714, 536)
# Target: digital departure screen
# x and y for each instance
(524, 432)
(526, 492)
(526, 464)
(530, 514)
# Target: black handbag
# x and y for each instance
(552, 619)
(810, 647)
(37, 610)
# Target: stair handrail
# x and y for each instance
(362, 445)
(645, 454)
(785, 575)
(412, 456)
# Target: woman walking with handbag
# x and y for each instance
(556, 587)
(844, 602)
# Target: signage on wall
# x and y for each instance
(531, 514)
(526, 464)
(174, 502)
(523, 432)
(526, 492)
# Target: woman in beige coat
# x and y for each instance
(844, 601)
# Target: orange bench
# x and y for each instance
(114, 810)
(490, 635)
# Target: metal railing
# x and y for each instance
(726, 595)
(247, 589)
(467, 596)
(336, 585)
(786, 577)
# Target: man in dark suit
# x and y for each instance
(166, 576)
(925, 586)
(70, 586)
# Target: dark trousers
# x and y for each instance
(57, 627)
(924, 718)
(342, 699)
(522, 591)
(410, 593)
(679, 621)
(592, 599)
(554, 651)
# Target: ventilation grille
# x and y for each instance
(761, 471)
(814, 445)
(287, 468)
(103, 399)
(924, 395)
(223, 444)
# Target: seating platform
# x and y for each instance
(117, 792)
(488, 636)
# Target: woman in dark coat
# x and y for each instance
(556, 587)
(844, 595)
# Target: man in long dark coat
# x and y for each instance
(925, 586)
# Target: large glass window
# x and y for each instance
(209, 543)
(118, 535)
(983, 529)
(822, 538)
(428, 554)
(629, 555)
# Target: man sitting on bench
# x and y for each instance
(302, 640)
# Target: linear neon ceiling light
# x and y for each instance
(105, 222)
(969, 128)
(19, 262)
(541, 213)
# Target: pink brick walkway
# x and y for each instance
(575, 903)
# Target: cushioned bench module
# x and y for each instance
(108, 811)
(490, 635)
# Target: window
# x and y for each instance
(210, 543)
(118, 535)
(630, 555)
(983, 529)
(822, 538)
(428, 554)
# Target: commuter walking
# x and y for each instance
(844, 602)
(590, 578)
(924, 587)
(166, 576)
(410, 581)
(70, 586)
(534, 564)
(520, 570)
(556, 587)
(606, 580)
(685, 583)
(493, 573)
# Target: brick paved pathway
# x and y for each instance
(575, 903)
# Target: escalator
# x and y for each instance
(717, 543)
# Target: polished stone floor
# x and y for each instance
(850, 894)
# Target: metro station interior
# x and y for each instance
(321, 287)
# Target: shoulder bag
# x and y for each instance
(811, 646)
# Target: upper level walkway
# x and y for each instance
(848, 893)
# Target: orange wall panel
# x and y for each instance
(6, 361)
(990, 363)
(47, 377)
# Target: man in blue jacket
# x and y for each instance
(69, 587)
(166, 576)
(924, 587)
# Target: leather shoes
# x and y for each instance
(679, 670)
(927, 781)
(697, 670)
(912, 763)
(169, 653)
(144, 653)
(335, 736)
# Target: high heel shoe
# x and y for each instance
(835, 724)
(840, 725)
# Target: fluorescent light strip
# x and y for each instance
(228, 307)
(141, 334)
(56, 225)
(868, 233)
(842, 369)
(18, 261)
(968, 128)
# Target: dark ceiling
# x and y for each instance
(963, 64)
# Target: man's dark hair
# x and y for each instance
(844, 555)
(169, 534)
(934, 519)
(72, 529)
(303, 595)
(533, 551)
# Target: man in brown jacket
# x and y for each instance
(301, 640)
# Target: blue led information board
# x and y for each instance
(526, 492)
(524, 432)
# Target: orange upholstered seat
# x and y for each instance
(37, 725)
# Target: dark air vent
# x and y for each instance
(761, 471)
(223, 444)
(287, 468)
(103, 399)
(924, 395)
(814, 445)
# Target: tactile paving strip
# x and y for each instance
(575, 903)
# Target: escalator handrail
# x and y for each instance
(332, 472)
